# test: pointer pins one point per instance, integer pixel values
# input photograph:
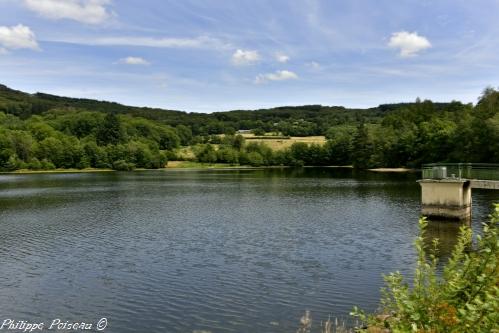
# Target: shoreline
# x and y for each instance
(29, 171)
(188, 165)
(395, 170)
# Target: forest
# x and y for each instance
(42, 132)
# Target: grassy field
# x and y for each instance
(198, 165)
(274, 142)
(186, 153)
(280, 143)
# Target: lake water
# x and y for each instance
(207, 250)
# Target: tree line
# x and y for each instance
(408, 136)
(289, 120)
(45, 132)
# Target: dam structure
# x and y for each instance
(446, 188)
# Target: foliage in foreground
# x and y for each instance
(465, 298)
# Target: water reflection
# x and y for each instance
(447, 233)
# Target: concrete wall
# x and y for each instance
(485, 184)
(446, 198)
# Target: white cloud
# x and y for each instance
(276, 76)
(17, 37)
(242, 57)
(134, 61)
(409, 43)
(281, 57)
(156, 42)
(198, 42)
(85, 11)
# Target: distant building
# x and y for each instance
(243, 131)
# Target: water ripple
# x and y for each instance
(203, 251)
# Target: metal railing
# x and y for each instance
(480, 171)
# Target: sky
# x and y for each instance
(215, 55)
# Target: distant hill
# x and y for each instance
(42, 131)
(24, 105)
(311, 119)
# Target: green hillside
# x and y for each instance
(41, 131)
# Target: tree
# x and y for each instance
(168, 138)
(22, 144)
(110, 132)
(493, 130)
(488, 103)
(238, 142)
(40, 129)
(299, 152)
(6, 150)
(51, 149)
(255, 159)
(258, 131)
(362, 148)
(96, 155)
(228, 155)
(185, 134)
(339, 146)
(205, 154)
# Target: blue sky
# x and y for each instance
(214, 55)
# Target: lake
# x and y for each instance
(207, 250)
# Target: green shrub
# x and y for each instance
(47, 165)
(258, 131)
(255, 159)
(205, 153)
(122, 165)
(465, 298)
(34, 164)
(14, 163)
(228, 155)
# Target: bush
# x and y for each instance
(205, 153)
(122, 165)
(228, 155)
(47, 165)
(171, 155)
(34, 164)
(14, 163)
(258, 131)
(255, 159)
(96, 155)
(464, 299)
(160, 160)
